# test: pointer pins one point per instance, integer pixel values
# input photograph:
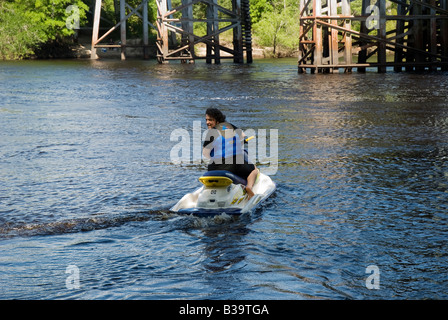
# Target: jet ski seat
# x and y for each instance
(223, 173)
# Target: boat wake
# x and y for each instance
(83, 224)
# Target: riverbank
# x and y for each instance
(81, 49)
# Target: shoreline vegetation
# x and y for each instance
(61, 29)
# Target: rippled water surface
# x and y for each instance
(87, 181)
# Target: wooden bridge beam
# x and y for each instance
(123, 28)
(96, 28)
(444, 35)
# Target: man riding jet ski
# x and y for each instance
(224, 147)
(232, 184)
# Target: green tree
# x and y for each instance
(278, 25)
(19, 34)
(257, 7)
(27, 24)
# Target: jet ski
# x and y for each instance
(224, 192)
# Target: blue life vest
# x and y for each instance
(225, 148)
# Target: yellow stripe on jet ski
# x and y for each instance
(214, 182)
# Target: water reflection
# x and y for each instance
(223, 246)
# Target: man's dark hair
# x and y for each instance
(216, 114)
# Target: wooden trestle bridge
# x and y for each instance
(403, 34)
(409, 34)
(176, 37)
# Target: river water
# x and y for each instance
(360, 210)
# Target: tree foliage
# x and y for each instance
(25, 24)
(276, 23)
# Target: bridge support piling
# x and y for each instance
(416, 34)
(123, 28)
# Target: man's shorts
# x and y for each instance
(241, 170)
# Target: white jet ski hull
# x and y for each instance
(223, 192)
